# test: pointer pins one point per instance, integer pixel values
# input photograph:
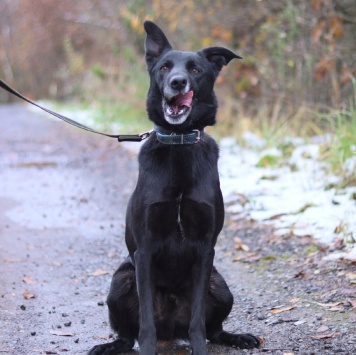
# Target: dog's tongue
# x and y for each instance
(182, 100)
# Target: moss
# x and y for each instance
(311, 249)
(268, 160)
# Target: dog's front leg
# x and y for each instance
(147, 334)
(201, 276)
(198, 222)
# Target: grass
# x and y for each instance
(340, 150)
(123, 102)
(274, 123)
(121, 105)
(112, 98)
(126, 116)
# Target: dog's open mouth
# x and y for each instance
(177, 109)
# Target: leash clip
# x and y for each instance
(145, 135)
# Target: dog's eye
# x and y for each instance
(195, 71)
(163, 68)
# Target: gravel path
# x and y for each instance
(63, 195)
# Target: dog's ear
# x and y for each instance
(218, 56)
(156, 42)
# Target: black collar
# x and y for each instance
(190, 137)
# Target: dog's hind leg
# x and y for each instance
(123, 311)
(219, 304)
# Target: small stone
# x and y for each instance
(68, 324)
(33, 333)
(76, 341)
(261, 316)
(101, 303)
(23, 307)
(322, 329)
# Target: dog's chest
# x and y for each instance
(179, 168)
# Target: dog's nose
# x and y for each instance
(178, 82)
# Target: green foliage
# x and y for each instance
(268, 160)
(98, 70)
(311, 249)
(75, 59)
(129, 118)
(287, 148)
(342, 145)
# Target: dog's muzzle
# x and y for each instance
(177, 108)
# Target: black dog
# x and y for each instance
(167, 288)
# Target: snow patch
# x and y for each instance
(292, 199)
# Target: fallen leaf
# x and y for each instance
(237, 240)
(62, 333)
(262, 340)
(241, 246)
(252, 257)
(249, 258)
(323, 67)
(102, 337)
(336, 309)
(294, 300)
(27, 280)
(276, 311)
(27, 295)
(318, 29)
(303, 275)
(276, 216)
(337, 27)
(352, 277)
(305, 207)
(278, 307)
(56, 263)
(100, 272)
(14, 260)
(325, 336)
(353, 303)
(329, 304)
(75, 281)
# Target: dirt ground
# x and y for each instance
(63, 194)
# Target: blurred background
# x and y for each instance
(296, 76)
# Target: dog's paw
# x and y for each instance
(116, 347)
(242, 341)
(247, 341)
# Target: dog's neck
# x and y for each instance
(171, 138)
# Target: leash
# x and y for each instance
(120, 137)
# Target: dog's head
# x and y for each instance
(181, 92)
